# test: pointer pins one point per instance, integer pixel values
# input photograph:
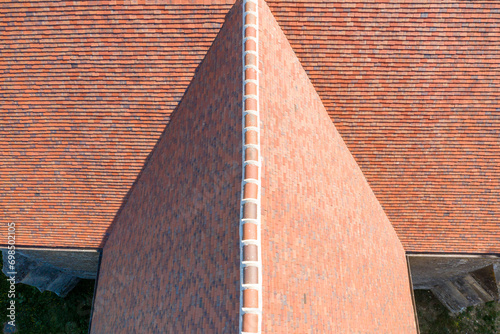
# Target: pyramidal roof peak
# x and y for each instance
(289, 217)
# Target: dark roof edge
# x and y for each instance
(452, 254)
(410, 280)
(95, 291)
(67, 248)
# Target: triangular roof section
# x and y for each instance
(327, 244)
(171, 263)
(251, 209)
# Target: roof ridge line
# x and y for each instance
(250, 318)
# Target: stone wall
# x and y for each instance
(54, 270)
(429, 271)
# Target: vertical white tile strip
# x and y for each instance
(257, 221)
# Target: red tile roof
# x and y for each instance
(412, 86)
(86, 90)
(171, 263)
(327, 244)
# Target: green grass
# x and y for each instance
(434, 318)
(46, 313)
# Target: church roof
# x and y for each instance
(87, 89)
(262, 168)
